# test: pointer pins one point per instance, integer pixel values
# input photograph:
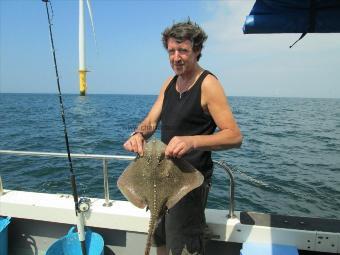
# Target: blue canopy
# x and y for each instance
(293, 16)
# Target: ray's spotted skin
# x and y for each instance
(158, 183)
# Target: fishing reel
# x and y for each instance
(84, 204)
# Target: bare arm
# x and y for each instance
(229, 135)
(148, 126)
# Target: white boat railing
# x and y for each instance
(106, 158)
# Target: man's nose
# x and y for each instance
(177, 56)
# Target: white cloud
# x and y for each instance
(225, 32)
(264, 64)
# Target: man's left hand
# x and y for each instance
(178, 146)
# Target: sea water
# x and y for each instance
(289, 162)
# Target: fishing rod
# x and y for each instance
(78, 209)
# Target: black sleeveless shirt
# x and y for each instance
(183, 115)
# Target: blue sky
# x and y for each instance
(130, 59)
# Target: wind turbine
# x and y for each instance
(82, 62)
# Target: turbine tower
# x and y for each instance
(82, 62)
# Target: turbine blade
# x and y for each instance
(92, 23)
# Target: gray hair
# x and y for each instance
(187, 30)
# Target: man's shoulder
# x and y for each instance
(168, 80)
(166, 84)
(211, 89)
(210, 81)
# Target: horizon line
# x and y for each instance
(127, 94)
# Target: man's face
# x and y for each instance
(181, 55)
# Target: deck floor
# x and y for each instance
(30, 237)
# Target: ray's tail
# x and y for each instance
(151, 231)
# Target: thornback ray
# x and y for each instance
(157, 182)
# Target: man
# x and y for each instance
(190, 105)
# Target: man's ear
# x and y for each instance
(197, 53)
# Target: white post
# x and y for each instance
(81, 36)
(82, 68)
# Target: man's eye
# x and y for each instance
(171, 52)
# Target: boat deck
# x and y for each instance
(34, 237)
(40, 219)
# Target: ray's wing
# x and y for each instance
(131, 184)
(185, 179)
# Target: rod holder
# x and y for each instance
(1, 187)
(107, 202)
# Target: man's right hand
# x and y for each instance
(135, 144)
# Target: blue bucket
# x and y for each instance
(4, 235)
(70, 244)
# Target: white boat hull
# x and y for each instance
(39, 219)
